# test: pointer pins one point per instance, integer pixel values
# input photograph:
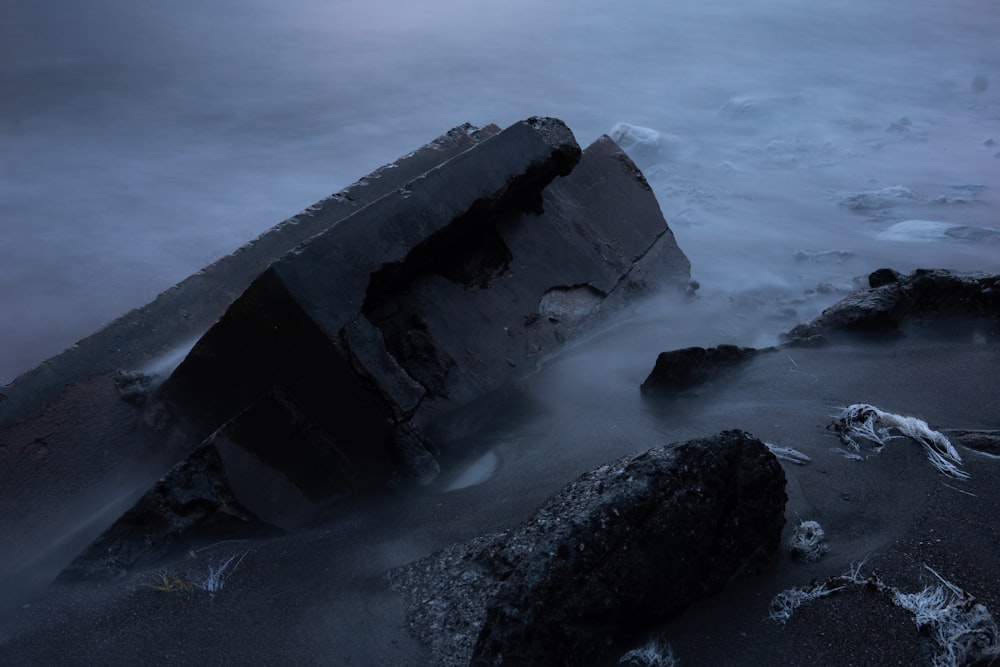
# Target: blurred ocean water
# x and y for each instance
(792, 146)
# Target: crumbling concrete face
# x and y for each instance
(432, 296)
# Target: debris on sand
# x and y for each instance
(866, 422)
(962, 629)
(807, 542)
(657, 652)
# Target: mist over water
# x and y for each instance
(792, 146)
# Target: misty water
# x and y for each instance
(792, 145)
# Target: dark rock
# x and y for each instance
(193, 501)
(324, 375)
(623, 547)
(893, 299)
(881, 277)
(934, 292)
(678, 370)
(876, 310)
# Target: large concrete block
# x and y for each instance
(436, 294)
(336, 340)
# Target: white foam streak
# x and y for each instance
(163, 365)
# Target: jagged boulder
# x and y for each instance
(893, 298)
(625, 546)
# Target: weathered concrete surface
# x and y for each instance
(893, 298)
(623, 547)
(296, 323)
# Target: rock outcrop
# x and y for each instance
(892, 298)
(623, 547)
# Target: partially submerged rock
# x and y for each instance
(679, 370)
(625, 546)
(892, 298)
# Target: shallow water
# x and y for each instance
(790, 144)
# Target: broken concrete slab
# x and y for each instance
(436, 294)
(418, 304)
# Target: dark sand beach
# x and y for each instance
(320, 596)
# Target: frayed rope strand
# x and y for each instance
(866, 422)
(962, 628)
